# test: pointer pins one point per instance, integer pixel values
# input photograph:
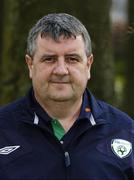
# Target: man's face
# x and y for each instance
(59, 70)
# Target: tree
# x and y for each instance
(1, 26)
(98, 23)
(11, 56)
(20, 15)
(129, 86)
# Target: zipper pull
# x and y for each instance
(67, 159)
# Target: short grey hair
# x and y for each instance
(54, 25)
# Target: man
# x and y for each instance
(59, 130)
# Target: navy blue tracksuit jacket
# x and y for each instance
(99, 146)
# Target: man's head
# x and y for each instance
(55, 25)
(59, 58)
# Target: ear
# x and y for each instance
(29, 62)
(89, 64)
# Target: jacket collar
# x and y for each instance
(96, 110)
(96, 107)
(90, 107)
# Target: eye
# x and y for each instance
(49, 59)
(72, 59)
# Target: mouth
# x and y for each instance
(59, 82)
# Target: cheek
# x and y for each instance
(40, 73)
(80, 75)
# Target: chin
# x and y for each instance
(61, 98)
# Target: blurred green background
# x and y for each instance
(111, 27)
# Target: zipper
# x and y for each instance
(67, 159)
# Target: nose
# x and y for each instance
(60, 67)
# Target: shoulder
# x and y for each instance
(7, 111)
(12, 106)
(114, 115)
(108, 113)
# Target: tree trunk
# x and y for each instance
(102, 80)
(8, 61)
(1, 39)
(20, 15)
(129, 86)
(1, 25)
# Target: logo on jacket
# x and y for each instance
(8, 149)
(121, 147)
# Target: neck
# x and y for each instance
(66, 111)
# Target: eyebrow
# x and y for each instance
(55, 56)
(48, 55)
(74, 55)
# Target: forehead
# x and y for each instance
(70, 44)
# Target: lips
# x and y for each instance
(60, 81)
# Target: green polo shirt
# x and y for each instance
(57, 128)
